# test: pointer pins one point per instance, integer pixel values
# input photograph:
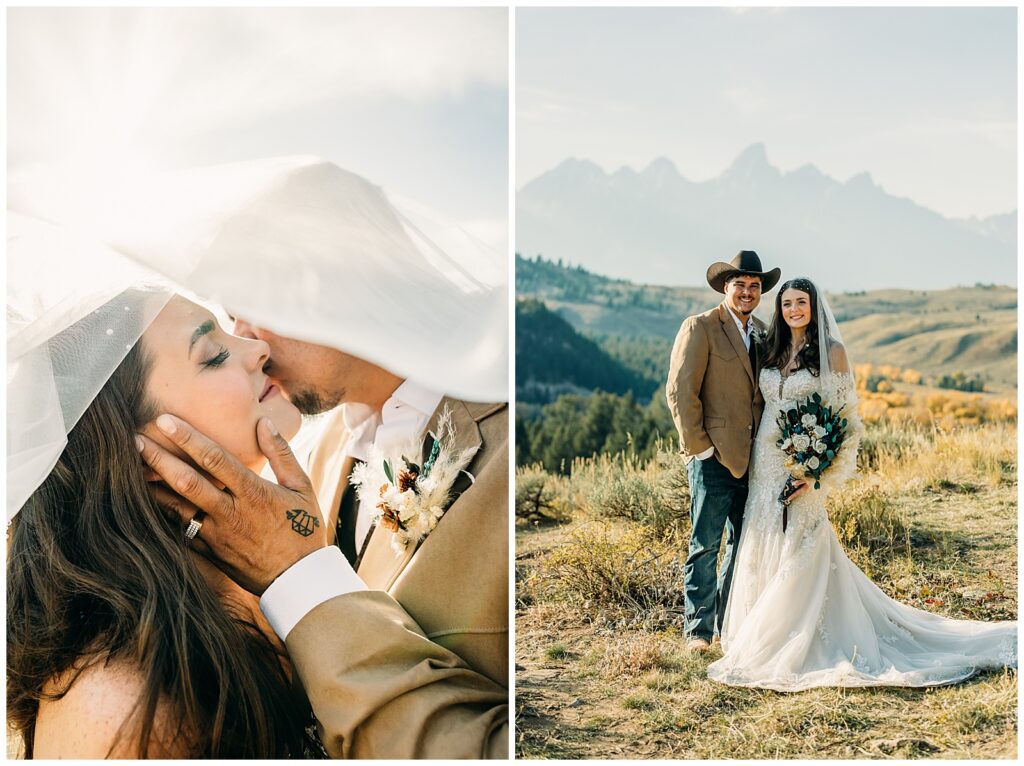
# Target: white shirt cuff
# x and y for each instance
(305, 585)
(706, 453)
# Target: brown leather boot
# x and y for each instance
(698, 645)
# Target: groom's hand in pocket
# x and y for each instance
(253, 529)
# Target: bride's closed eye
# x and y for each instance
(204, 330)
(218, 360)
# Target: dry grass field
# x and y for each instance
(601, 668)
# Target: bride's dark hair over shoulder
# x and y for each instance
(779, 335)
(96, 571)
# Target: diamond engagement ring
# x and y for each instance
(193, 527)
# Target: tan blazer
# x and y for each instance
(712, 389)
(417, 667)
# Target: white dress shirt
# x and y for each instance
(745, 333)
(326, 573)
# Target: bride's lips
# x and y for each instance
(269, 389)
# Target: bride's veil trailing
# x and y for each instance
(830, 345)
(74, 309)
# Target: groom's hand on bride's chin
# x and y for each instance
(253, 529)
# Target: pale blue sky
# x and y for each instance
(922, 98)
(416, 100)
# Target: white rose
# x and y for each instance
(813, 463)
(808, 420)
(820, 447)
(820, 432)
(801, 442)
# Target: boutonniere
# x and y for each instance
(758, 335)
(413, 498)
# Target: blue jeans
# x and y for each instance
(716, 506)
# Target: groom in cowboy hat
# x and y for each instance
(716, 405)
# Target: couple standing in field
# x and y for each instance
(767, 420)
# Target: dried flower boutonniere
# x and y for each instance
(412, 497)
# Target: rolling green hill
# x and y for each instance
(553, 359)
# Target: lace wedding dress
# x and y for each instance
(802, 615)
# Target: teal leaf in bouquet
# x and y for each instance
(830, 454)
(388, 472)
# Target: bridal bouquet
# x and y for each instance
(812, 433)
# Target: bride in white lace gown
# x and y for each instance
(800, 613)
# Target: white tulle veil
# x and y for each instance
(99, 237)
(296, 245)
(74, 309)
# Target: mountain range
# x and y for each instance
(657, 227)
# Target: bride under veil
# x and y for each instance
(800, 613)
(100, 240)
(107, 114)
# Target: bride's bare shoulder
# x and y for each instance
(90, 720)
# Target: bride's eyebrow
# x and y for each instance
(200, 331)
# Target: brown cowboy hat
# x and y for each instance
(746, 262)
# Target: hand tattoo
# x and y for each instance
(302, 522)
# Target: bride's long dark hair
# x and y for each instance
(780, 336)
(96, 572)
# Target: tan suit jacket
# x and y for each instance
(417, 667)
(712, 389)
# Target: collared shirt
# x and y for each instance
(400, 421)
(744, 333)
(326, 573)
